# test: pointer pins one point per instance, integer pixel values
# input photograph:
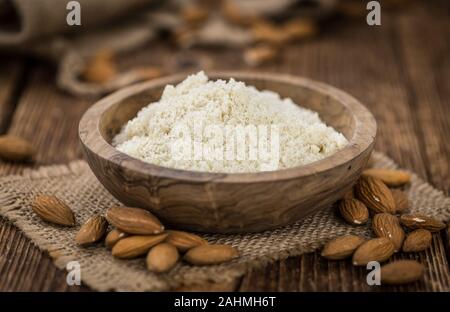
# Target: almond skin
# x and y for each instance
(113, 237)
(210, 254)
(53, 210)
(134, 220)
(419, 221)
(390, 177)
(387, 225)
(300, 28)
(417, 240)
(92, 231)
(377, 249)
(194, 14)
(184, 241)
(15, 149)
(135, 246)
(401, 200)
(260, 54)
(100, 68)
(375, 195)
(401, 272)
(353, 211)
(341, 247)
(162, 258)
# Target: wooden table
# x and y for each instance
(400, 70)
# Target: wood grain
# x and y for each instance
(40, 109)
(400, 69)
(11, 80)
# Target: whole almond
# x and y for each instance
(234, 15)
(401, 272)
(184, 241)
(113, 237)
(92, 231)
(267, 32)
(401, 200)
(300, 28)
(100, 68)
(13, 148)
(417, 240)
(54, 210)
(210, 254)
(134, 220)
(255, 56)
(387, 225)
(135, 246)
(353, 211)
(419, 221)
(194, 14)
(341, 247)
(375, 195)
(377, 249)
(162, 258)
(390, 177)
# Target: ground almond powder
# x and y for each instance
(198, 103)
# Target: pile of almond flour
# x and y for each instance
(198, 102)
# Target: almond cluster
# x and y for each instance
(377, 193)
(135, 233)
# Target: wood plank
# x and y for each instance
(11, 77)
(424, 52)
(364, 62)
(49, 119)
(428, 73)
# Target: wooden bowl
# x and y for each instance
(229, 203)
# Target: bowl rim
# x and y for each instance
(363, 137)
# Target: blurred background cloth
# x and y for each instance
(84, 54)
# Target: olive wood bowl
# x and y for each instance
(229, 203)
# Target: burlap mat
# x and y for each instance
(75, 184)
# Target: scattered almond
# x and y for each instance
(417, 240)
(401, 200)
(387, 225)
(390, 177)
(134, 220)
(258, 55)
(374, 194)
(113, 237)
(377, 249)
(194, 14)
(264, 31)
(135, 246)
(184, 241)
(234, 14)
(162, 258)
(210, 254)
(100, 68)
(300, 28)
(341, 247)
(352, 9)
(54, 210)
(92, 231)
(401, 272)
(419, 221)
(15, 149)
(353, 211)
